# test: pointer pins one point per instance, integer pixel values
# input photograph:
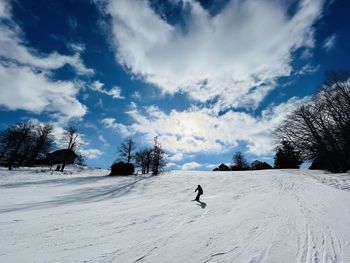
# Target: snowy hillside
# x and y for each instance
(263, 216)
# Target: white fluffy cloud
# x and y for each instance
(235, 55)
(91, 153)
(175, 157)
(25, 75)
(203, 130)
(13, 48)
(114, 92)
(113, 124)
(171, 164)
(23, 88)
(190, 166)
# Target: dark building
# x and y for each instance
(61, 157)
(258, 165)
(222, 167)
(122, 168)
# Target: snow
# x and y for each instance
(261, 216)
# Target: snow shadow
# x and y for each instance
(202, 204)
(57, 181)
(85, 195)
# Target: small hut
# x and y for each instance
(259, 165)
(222, 167)
(122, 168)
(61, 158)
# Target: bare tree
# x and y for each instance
(26, 147)
(21, 137)
(126, 150)
(23, 143)
(158, 158)
(143, 159)
(7, 138)
(239, 162)
(70, 139)
(319, 129)
(148, 160)
(43, 142)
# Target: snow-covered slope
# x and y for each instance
(263, 216)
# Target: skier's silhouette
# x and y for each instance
(200, 192)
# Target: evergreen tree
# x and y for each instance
(286, 157)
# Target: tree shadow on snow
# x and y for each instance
(56, 181)
(85, 195)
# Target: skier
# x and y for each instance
(200, 192)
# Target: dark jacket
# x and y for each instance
(199, 189)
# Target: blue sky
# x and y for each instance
(208, 77)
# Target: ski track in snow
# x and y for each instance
(262, 216)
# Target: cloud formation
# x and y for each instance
(199, 130)
(25, 75)
(330, 41)
(23, 88)
(235, 55)
(4, 9)
(175, 157)
(190, 166)
(91, 153)
(13, 48)
(114, 92)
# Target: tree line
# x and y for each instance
(32, 143)
(240, 163)
(149, 160)
(319, 129)
(286, 157)
(28, 143)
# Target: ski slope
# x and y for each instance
(262, 216)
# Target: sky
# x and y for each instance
(208, 77)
